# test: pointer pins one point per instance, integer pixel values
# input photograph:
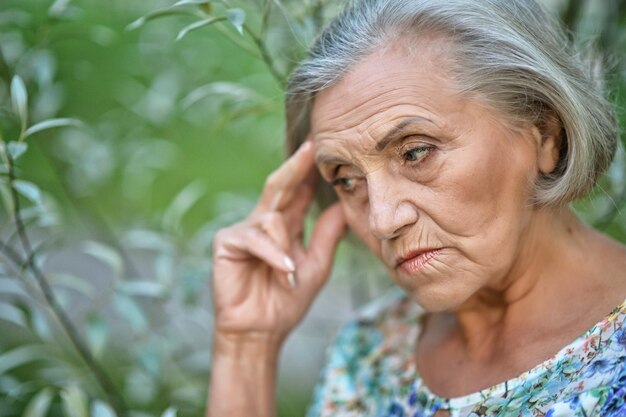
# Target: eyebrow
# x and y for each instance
(398, 130)
(394, 134)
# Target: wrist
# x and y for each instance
(243, 367)
(255, 345)
(249, 351)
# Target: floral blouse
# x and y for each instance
(370, 371)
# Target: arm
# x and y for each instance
(264, 281)
(243, 377)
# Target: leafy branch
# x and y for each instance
(267, 59)
(28, 263)
(236, 16)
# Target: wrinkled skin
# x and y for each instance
(421, 169)
(439, 187)
(458, 178)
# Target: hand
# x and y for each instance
(264, 279)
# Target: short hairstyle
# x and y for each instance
(510, 54)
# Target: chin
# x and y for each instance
(435, 304)
(436, 297)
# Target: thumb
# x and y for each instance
(328, 231)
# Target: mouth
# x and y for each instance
(416, 260)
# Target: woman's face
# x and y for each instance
(436, 185)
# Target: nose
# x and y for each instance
(391, 209)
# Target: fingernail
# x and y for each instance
(291, 277)
(291, 266)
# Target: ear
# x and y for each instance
(550, 137)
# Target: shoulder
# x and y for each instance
(605, 260)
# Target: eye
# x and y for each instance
(417, 153)
(344, 184)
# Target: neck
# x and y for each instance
(512, 300)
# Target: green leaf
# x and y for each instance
(28, 190)
(181, 205)
(74, 402)
(234, 92)
(141, 288)
(237, 17)
(175, 9)
(128, 309)
(149, 358)
(164, 268)
(52, 123)
(12, 286)
(170, 412)
(22, 355)
(29, 213)
(188, 2)
(8, 385)
(71, 281)
(97, 333)
(197, 25)
(40, 325)
(19, 98)
(39, 404)
(16, 149)
(58, 8)
(101, 409)
(10, 313)
(147, 240)
(105, 254)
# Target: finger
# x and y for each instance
(254, 242)
(273, 224)
(301, 202)
(280, 185)
(327, 233)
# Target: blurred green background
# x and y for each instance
(148, 136)
(167, 141)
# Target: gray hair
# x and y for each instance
(509, 53)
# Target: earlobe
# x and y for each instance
(551, 136)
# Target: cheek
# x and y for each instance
(357, 217)
(486, 190)
(486, 207)
(505, 184)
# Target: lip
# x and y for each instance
(415, 260)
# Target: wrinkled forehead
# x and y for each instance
(390, 84)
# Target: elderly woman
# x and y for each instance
(455, 133)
